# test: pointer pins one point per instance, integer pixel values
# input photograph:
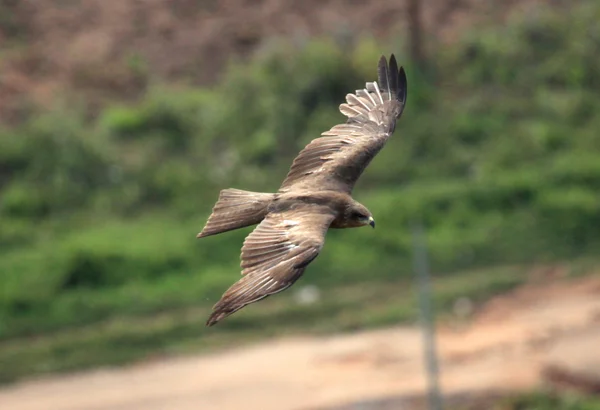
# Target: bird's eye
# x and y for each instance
(358, 215)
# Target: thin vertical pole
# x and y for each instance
(415, 33)
(421, 267)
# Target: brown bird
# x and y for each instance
(315, 195)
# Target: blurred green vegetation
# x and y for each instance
(543, 399)
(145, 320)
(497, 154)
(549, 400)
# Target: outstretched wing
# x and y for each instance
(275, 255)
(337, 159)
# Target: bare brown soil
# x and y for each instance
(515, 342)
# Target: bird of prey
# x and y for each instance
(315, 195)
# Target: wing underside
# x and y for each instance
(275, 255)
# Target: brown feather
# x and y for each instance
(275, 255)
(337, 159)
(235, 209)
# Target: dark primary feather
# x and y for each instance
(337, 159)
(394, 78)
(384, 76)
(275, 255)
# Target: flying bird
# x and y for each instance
(314, 197)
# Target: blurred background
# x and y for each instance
(122, 119)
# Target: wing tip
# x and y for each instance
(220, 311)
(394, 76)
(214, 318)
(402, 85)
(383, 74)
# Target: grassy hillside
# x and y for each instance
(497, 154)
(539, 400)
(550, 401)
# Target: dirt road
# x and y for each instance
(504, 347)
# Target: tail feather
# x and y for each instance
(235, 209)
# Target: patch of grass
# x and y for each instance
(180, 328)
(549, 400)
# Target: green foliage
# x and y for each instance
(168, 315)
(551, 401)
(497, 156)
(50, 165)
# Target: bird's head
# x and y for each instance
(359, 215)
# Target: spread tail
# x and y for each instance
(235, 209)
